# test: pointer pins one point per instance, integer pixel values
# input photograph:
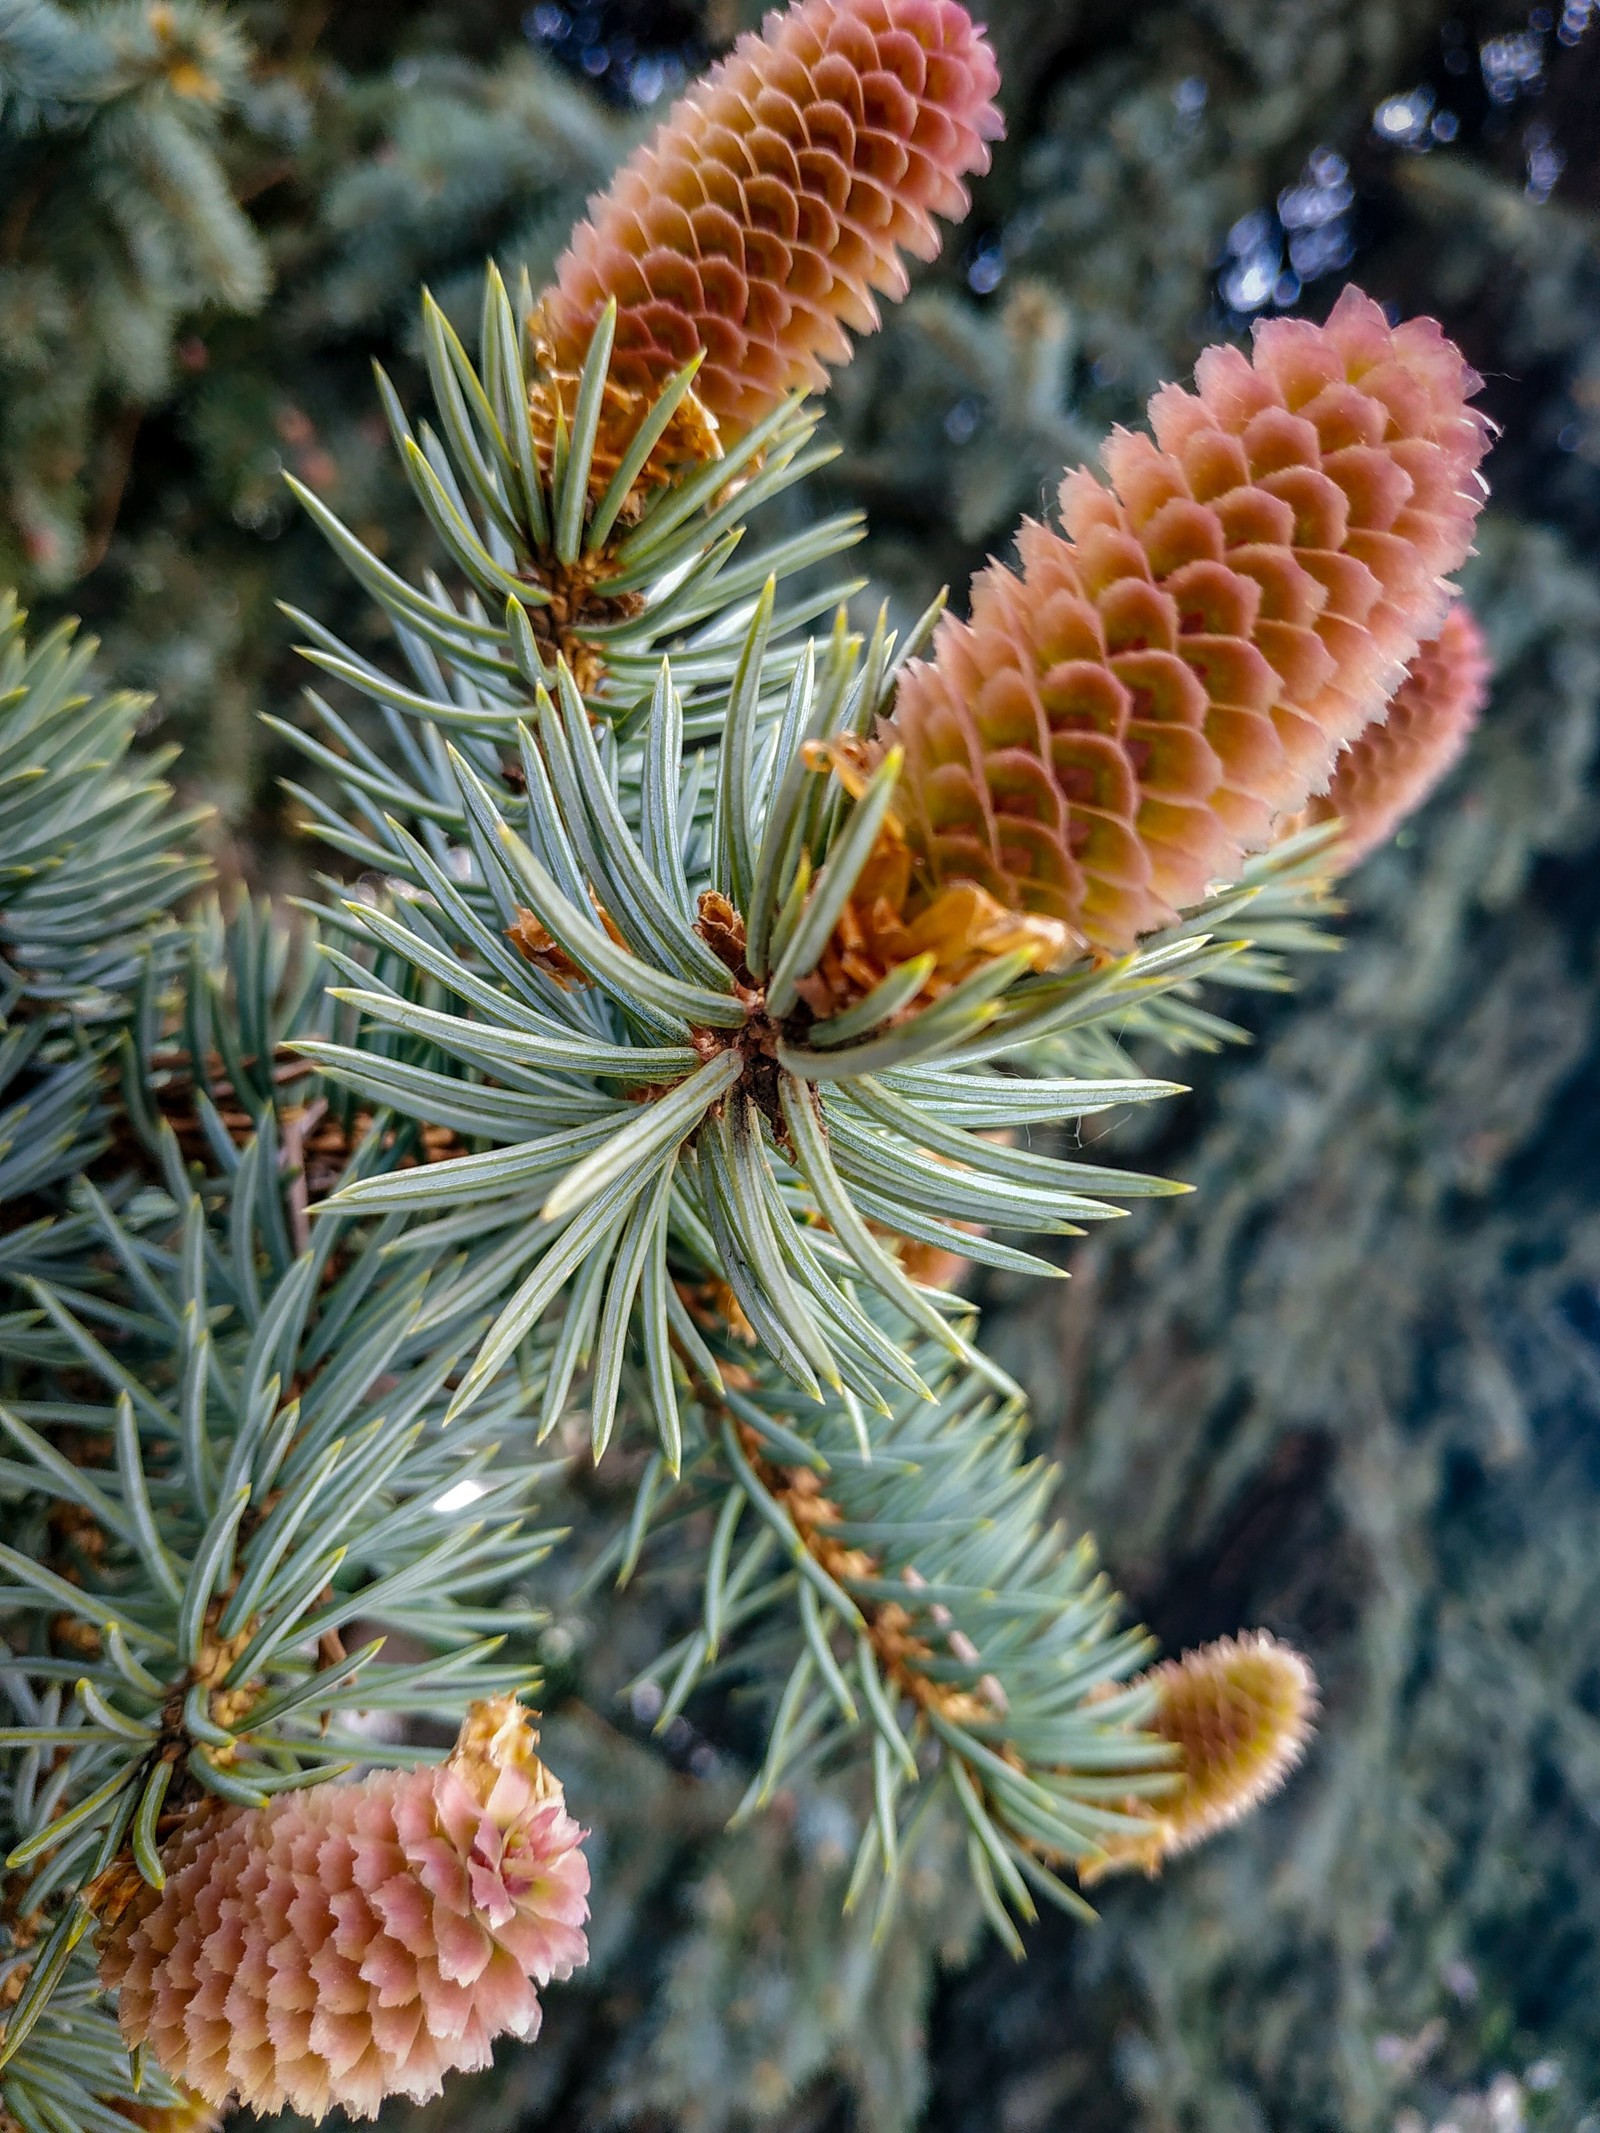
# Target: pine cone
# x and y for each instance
(1120, 722)
(1389, 770)
(357, 1941)
(1240, 1712)
(778, 195)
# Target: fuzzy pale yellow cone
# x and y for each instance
(1239, 1712)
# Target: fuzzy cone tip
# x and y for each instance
(1239, 1712)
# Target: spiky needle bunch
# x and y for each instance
(703, 989)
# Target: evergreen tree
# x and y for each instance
(238, 993)
(702, 976)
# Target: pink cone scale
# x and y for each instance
(1389, 770)
(361, 1940)
(776, 201)
(1126, 715)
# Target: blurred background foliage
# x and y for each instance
(1351, 1391)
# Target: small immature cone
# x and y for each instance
(1389, 770)
(1120, 722)
(777, 197)
(357, 1941)
(1240, 1712)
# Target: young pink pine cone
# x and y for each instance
(357, 1941)
(778, 195)
(1389, 770)
(1120, 722)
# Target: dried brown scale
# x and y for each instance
(76, 1539)
(930, 1266)
(68, 1632)
(578, 598)
(712, 1304)
(722, 928)
(75, 1528)
(689, 440)
(538, 945)
(891, 917)
(324, 1149)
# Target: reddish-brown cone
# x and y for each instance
(1121, 721)
(1389, 770)
(1239, 1712)
(778, 196)
(356, 1941)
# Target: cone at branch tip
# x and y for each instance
(1124, 717)
(359, 1940)
(1388, 771)
(775, 203)
(1239, 1712)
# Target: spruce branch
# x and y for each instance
(706, 980)
(92, 853)
(94, 857)
(659, 1072)
(904, 1604)
(599, 550)
(224, 1454)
